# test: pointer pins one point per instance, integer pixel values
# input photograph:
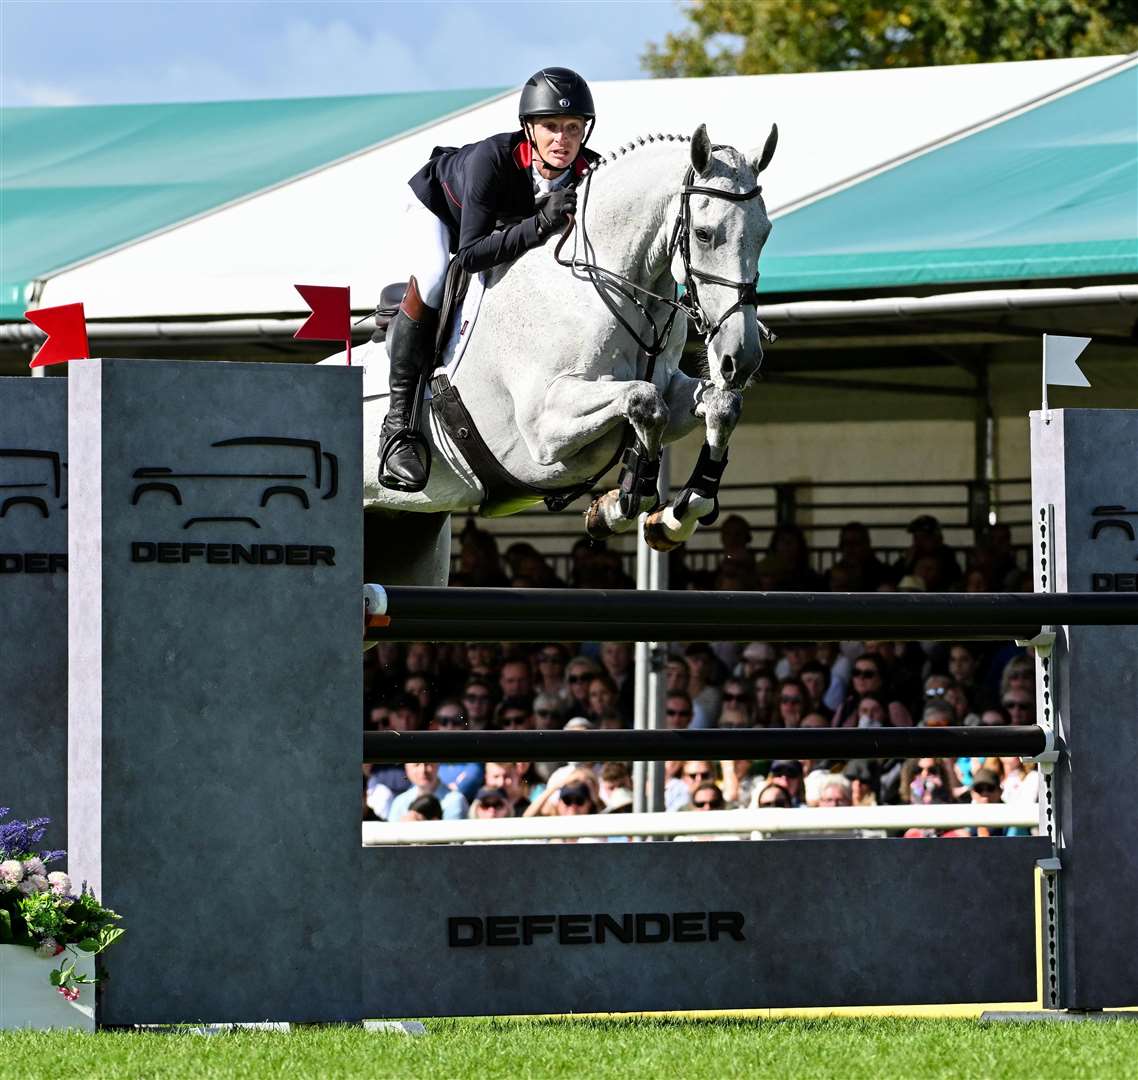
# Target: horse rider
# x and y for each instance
(485, 203)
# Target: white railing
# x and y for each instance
(771, 821)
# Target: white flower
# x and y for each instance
(60, 883)
(34, 883)
(34, 865)
(11, 873)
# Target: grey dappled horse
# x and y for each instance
(554, 377)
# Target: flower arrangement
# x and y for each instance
(41, 909)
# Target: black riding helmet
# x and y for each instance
(557, 91)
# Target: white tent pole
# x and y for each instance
(651, 574)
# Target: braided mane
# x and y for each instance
(646, 140)
(640, 140)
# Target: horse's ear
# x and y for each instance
(701, 150)
(764, 159)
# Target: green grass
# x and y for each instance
(590, 1049)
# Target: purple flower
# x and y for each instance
(19, 838)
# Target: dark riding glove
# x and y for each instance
(553, 215)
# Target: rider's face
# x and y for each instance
(558, 140)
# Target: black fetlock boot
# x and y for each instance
(404, 458)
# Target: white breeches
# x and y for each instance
(422, 244)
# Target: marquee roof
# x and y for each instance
(881, 179)
(1050, 192)
(82, 181)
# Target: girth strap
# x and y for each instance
(499, 485)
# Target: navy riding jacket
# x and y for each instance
(473, 189)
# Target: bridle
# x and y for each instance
(606, 281)
(681, 235)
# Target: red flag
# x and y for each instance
(331, 318)
(66, 329)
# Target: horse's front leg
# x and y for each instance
(690, 400)
(576, 412)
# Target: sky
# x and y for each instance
(95, 52)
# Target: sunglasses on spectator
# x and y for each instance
(927, 770)
(985, 789)
(678, 712)
(492, 804)
(574, 800)
(476, 698)
(545, 712)
(790, 699)
(450, 719)
(864, 672)
(735, 697)
(708, 804)
(699, 775)
(1009, 705)
(514, 721)
(770, 803)
(579, 678)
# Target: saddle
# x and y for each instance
(454, 292)
(504, 493)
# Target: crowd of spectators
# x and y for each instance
(927, 565)
(587, 685)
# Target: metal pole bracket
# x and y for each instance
(1047, 758)
(1042, 643)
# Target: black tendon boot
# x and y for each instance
(404, 460)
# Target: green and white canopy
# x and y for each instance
(81, 182)
(883, 180)
(1049, 192)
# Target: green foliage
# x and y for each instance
(90, 925)
(47, 918)
(43, 915)
(68, 979)
(758, 37)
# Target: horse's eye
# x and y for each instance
(703, 236)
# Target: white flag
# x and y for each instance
(1059, 360)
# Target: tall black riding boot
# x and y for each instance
(404, 459)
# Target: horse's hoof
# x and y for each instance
(596, 527)
(655, 536)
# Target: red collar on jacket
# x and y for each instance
(523, 158)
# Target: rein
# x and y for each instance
(606, 281)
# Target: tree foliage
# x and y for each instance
(756, 37)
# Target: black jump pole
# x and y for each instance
(714, 744)
(536, 630)
(420, 613)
